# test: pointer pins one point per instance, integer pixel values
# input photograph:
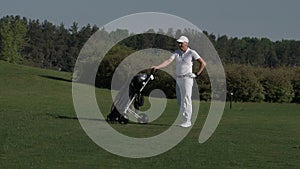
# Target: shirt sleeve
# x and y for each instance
(173, 56)
(195, 55)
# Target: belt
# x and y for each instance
(183, 76)
(186, 75)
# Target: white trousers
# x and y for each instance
(184, 87)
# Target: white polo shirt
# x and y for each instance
(184, 61)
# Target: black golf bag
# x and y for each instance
(128, 97)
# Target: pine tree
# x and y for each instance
(12, 33)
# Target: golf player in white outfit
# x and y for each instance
(184, 76)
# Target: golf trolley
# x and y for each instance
(125, 100)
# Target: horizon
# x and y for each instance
(156, 30)
(276, 20)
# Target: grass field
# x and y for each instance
(39, 130)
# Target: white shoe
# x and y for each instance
(186, 124)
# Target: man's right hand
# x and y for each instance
(155, 67)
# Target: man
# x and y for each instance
(184, 77)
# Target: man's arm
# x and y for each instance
(201, 66)
(163, 64)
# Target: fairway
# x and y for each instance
(39, 129)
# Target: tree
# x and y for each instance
(269, 53)
(33, 52)
(296, 85)
(277, 86)
(222, 47)
(61, 60)
(243, 82)
(12, 33)
(48, 43)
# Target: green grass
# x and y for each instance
(251, 135)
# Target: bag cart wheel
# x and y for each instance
(123, 120)
(143, 119)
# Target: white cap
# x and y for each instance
(183, 39)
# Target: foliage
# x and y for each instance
(41, 44)
(12, 36)
(254, 84)
(243, 83)
(257, 69)
(277, 85)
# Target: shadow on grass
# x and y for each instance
(55, 78)
(102, 120)
(73, 118)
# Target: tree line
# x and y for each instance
(41, 44)
(257, 69)
(246, 83)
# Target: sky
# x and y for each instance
(273, 19)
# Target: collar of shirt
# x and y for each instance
(188, 49)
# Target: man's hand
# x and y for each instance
(155, 67)
(196, 74)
